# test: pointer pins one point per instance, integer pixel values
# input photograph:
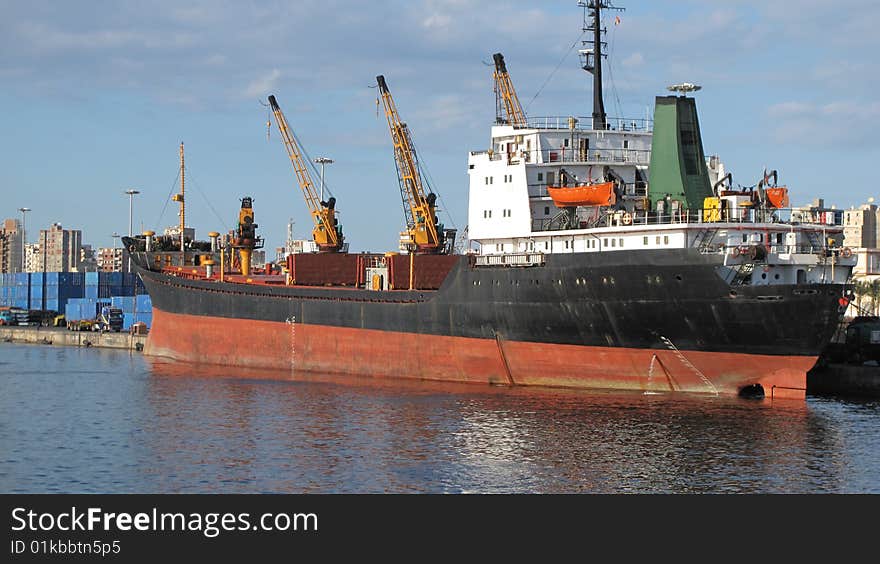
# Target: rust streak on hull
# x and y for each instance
(290, 347)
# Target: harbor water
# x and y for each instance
(111, 421)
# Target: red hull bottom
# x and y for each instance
(383, 354)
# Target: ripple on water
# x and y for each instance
(80, 420)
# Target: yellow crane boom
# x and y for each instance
(507, 107)
(421, 221)
(326, 234)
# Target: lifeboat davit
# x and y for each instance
(777, 197)
(601, 194)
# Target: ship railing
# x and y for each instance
(570, 155)
(587, 217)
(585, 123)
(518, 259)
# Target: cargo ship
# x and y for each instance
(610, 253)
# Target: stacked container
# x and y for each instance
(79, 295)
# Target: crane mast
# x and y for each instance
(326, 235)
(421, 221)
(507, 107)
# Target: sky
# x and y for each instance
(97, 96)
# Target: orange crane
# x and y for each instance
(327, 234)
(507, 107)
(423, 234)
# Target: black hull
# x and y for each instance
(626, 299)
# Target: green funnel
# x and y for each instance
(678, 166)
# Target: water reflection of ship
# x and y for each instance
(451, 437)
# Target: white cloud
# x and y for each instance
(634, 60)
(263, 85)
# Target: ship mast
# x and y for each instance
(179, 198)
(591, 57)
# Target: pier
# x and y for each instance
(62, 336)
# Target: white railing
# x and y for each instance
(520, 259)
(582, 123)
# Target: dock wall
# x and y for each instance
(61, 336)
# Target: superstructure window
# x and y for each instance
(666, 239)
(540, 177)
(546, 210)
(645, 240)
(551, 177)
(620, 242)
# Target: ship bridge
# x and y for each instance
(509, 180)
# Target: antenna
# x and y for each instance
(684, 88)
(591, 56)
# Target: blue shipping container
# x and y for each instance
(21, 279)
(50, 305)
(125, 303)
(91, 278)
(63, 293)
(143, 303)
(109, 279)
(145, 318)
(71, 310)
(91, 292)
(37, 278)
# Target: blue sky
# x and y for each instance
(96, 97)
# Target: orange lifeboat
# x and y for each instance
(777, 197)
(601, 194)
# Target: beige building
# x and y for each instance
(860, 232)
(60, 248)
(860, 227)
(33, 258)
(10, 246)
(109, 259)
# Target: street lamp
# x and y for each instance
(23, 235)
(131, 192)
(322, 161)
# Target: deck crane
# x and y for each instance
(423, 235)
(326, 233)
(508, 110)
